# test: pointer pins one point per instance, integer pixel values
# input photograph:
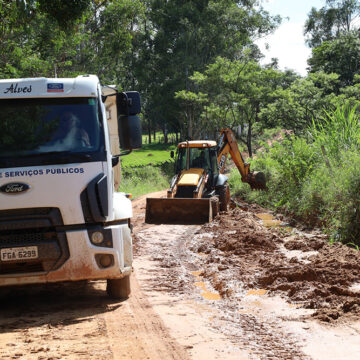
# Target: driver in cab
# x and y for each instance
(69, 133)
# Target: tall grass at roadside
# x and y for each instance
(146, 179)
(337, 131)
(317, 178)
(332, 196)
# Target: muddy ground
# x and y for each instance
(246, 286)
(301, 267)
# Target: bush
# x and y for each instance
(146, 179)
(285, 166)
(317, 179)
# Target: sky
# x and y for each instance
(287, 43)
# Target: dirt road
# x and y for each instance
(233, 289)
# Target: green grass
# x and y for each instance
(147, 169)
(146, 179)
(153, 154)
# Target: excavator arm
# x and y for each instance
(228, 145)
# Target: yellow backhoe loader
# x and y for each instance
(200, 189)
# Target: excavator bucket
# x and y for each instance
(256, 180)
(180, 210)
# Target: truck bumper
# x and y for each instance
(84, 262)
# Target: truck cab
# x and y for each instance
(61, 217)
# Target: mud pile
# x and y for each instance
(302, 267)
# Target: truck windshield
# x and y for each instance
(35, 127)
(198, 158)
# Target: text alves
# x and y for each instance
(15, 89)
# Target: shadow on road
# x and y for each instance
(53, 304)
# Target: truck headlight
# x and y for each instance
(97, 237)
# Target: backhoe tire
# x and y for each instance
(224, 197)
(119, 288)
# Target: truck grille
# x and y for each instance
(33, 227)
(21, 268)
(11, 240)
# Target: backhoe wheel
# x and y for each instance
(224, 197)
(119, 288)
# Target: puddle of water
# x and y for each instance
(300, 255)
(256, 292)
(265, 216)
(201, 285)
(268, 220)
(196, 273)
(208, 295)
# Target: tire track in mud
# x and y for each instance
(78, 321)
(145, 336)
(170, 247)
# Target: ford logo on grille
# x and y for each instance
(14, 188)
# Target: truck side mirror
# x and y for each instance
(128, 106)
(130, 135)
(172, 154)
(128, 103)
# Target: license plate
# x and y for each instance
(19, 253)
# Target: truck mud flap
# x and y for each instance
(180, 211)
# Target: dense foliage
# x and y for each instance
(153, 46)
(197, 68)
(315, 178)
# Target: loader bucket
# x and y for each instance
(179, 211)
(257, 181)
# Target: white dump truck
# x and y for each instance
(61, 218)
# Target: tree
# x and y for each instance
(231, 94)
(335, 18)
(28, 47)
(106, 45)
(64, 12)
(295, 107)
(340, 56)
(186, 36)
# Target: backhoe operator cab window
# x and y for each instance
(204, 158)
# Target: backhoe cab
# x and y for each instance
(200, 189)
(197, 175)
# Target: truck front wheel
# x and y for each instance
(119, 288)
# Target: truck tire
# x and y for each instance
(224, 197)
(119, 288)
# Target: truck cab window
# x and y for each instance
(47, 125)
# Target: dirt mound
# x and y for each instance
(295, 244)
(303, 267)
(240, 234)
